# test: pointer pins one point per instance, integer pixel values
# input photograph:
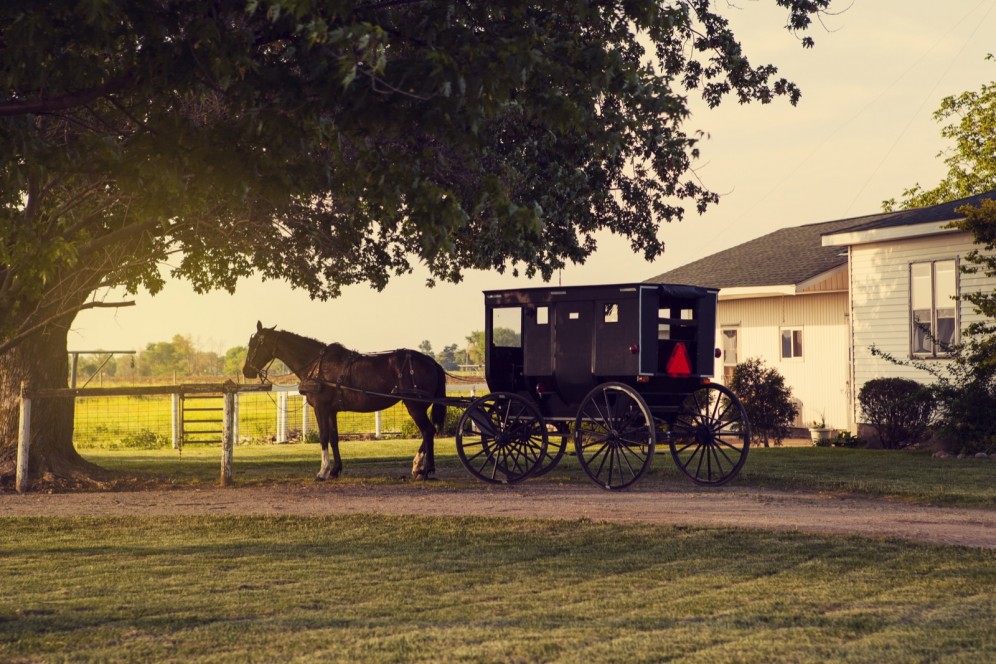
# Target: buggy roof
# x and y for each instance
(548, 294)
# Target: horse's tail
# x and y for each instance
(438, 414)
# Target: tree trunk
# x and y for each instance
(42, 361)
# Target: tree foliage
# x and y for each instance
(182, 357)
(965, 388)
(334, 143)
(971, 159)
(981, 223)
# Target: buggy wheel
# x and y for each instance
(710, 437)
(614, 435)
(556, 444)
(501, 438)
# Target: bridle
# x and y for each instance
(264, 372)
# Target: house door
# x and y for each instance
(730, 352)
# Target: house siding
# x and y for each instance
(820, 378)
(880, 294)
(834, 283)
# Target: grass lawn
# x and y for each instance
(908, 476)
(363, 588)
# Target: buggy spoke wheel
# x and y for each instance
(614, 435)
(710, 437)
(557, 436)
(501, 438)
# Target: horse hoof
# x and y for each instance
(319, 478)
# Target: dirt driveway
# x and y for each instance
(729, 506)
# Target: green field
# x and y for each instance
(362, 588)
(138, 422)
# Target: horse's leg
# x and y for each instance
(323, 437)
(423, 466)
(333, 425)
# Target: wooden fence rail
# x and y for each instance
(229, 420)
(227, 389)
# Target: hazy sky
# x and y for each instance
(862, 132)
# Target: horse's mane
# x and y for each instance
(335, 345)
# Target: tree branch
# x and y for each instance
(123, 233)
(71, 100)
(13, 341)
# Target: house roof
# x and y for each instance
(942, 212)
(904, 224)
(795, 255)
(786, 256)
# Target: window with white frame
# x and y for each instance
(730, 353)
(791, 342)
(933, 307)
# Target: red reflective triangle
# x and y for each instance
(679, 364)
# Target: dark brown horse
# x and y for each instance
(334, 378)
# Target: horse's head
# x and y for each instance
(262, 350)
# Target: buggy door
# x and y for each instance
(572, 349)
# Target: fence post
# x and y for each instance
(175, 415)
(227, 437)
(23, 442)
(304, 418)
(235, 418)
(281, 417)
(377, 423)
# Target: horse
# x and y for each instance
(334, 378)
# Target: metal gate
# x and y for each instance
(201, 418)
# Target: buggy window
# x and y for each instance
(506, 327)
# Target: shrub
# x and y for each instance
(898, 409)
(966, 401)
(847, 439)
(766, 399)
(142, 440)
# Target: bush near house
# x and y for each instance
(766, 399)
(898, 409)
(966, 398)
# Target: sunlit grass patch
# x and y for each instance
(366, 588)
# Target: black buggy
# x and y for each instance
(613, 368)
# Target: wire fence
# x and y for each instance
(176, 419)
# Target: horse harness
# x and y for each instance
(315, 384)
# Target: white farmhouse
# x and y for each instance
(808, 299)
(905, 283)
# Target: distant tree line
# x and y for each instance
(181, 357)
(165, 359)
(472, 354)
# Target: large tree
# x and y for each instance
(329, 143)
(966, 388)
(971, 161)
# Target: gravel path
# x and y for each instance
(728, 506)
